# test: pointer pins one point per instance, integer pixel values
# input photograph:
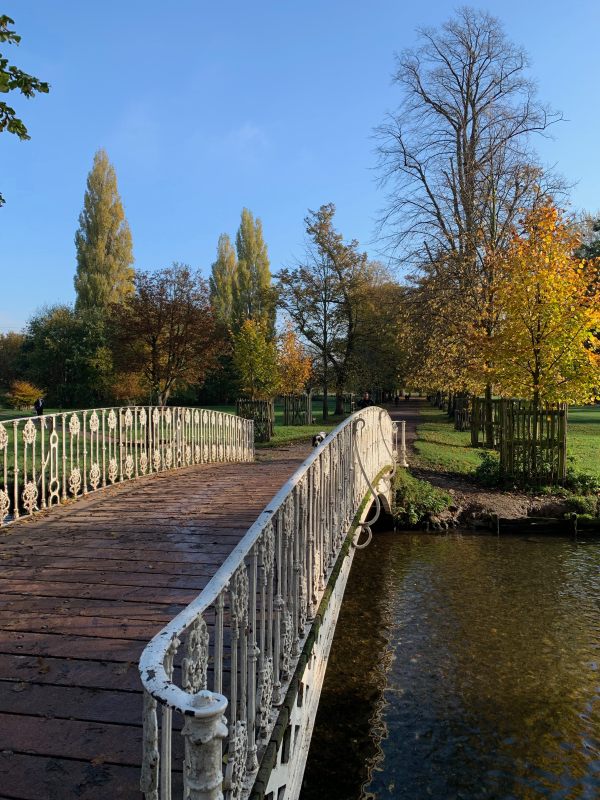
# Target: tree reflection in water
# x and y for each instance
(463, 667)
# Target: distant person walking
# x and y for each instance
(39, 407)
(366, 401)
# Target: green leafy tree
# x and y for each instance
(68, 353)
(11, 357)
(222, 280)
(14, 79)
(255, 358)
(103, 242)
(253, 296)
(323, 298)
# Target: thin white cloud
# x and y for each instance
(245, 143)
(137, 134)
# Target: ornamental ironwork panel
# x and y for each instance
(47, 460)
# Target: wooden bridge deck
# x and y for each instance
(82, 590)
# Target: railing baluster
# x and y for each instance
(252, 761)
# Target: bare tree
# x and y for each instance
(456, 156)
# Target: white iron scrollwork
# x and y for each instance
(237, 754)
(30, 496)
(194, 666)
(257, 603)
(264, 696)
(239, 599)
(75, 481)
(29, 432)
(4, 504)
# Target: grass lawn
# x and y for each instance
(13, 413)
(439, 447)
(583, 439)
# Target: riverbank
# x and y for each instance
(472, 503)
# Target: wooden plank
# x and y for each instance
(70, 672)
(70, 703)
(30, 777)
(115, 744)
(14, 604)
(133, 594)
(69, 646)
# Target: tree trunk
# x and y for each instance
(339, 404)
(489, 421)
(325, 400)
(535, 475)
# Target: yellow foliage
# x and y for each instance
(23, 394)
(295, 367)
(543, 345)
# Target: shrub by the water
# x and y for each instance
(587, 505)
(416, 501)
(581, 482)
(488, 472)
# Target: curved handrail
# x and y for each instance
(258, 604)
(46, 460)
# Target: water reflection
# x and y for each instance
(463, 667)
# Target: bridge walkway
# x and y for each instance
(83, 588)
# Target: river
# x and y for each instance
(463, 667)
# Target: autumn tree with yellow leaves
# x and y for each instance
(295, 366)
(543, 347)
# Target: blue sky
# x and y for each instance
(208, 107)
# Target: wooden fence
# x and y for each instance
(482, 414)
(297, 409)
(263, 414)
(533, 443)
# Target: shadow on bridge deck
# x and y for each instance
(82, 590)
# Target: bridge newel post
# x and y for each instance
(403, 461)
(203, 766)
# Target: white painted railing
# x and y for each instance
(47, 460)
(238, 643)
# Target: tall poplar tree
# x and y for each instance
(253, 296)
(222, 280)
(103, 241)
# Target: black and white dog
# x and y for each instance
(318, 438)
